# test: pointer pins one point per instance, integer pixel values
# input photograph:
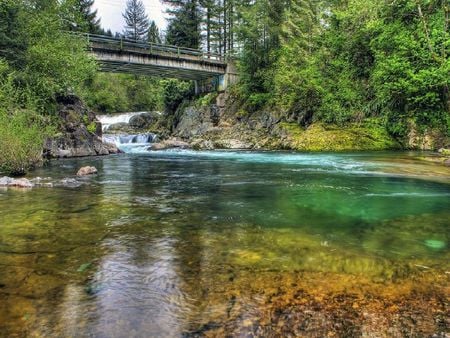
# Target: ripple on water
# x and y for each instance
(229, 243)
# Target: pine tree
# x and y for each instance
(153, 33)
(137, 23)
(12, 46)
(90, 22)
(184, 25)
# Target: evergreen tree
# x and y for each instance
(153, 33)
(184, 25)
(11, 44)
(90, 22)
(137, 23)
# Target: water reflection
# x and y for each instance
(177, 245)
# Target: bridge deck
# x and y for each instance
(128, 56)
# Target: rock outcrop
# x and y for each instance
(144, 121)
(79, 132)
(170, 144)
(225, 125)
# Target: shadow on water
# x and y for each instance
(216, 244)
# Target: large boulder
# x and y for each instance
(144, 120)
(79, 132)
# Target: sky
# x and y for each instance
(110, 13)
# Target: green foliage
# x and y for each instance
(412, 70)
(259, 31)
(112, 93)
(22, 130)
(175, 92)
(48, 62)
(21, 144)
(184, 23)
(342, 62)
(206, 100)
(153, 33)
(39, 61)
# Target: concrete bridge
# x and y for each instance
(210, 71)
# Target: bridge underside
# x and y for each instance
(158, 65)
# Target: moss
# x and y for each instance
(206, 100)
(370, 135)
(92, 127)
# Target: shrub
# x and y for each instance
(21, 144)
(22, 130)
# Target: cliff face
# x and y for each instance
(222, 125)
(79, 132)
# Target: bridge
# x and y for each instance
(119, 55)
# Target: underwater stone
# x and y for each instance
(84, 171)
(435, 244)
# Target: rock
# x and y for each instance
(144, 120)
(444, 151)
(447, 162)
(21, 183)
(70, 182)
(5, 181)
(203, 145)
(84, 171)
(79, 133)
(170, 144)
(232, 144)
(120, 127)
(195, 122)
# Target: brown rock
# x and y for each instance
(22, 183)
(84, 171)
(170, 144)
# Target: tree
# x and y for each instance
(153, 33)
(11, 42)
(137, 23)
(90, 23)
(184, 25)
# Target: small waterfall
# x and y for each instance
(128, 143)
(137, 139)
(131, 143)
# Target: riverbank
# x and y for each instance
(219, 122)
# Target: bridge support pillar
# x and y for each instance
(197, 87)
(231, 76)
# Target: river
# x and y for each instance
(192, 244)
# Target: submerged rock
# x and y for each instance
(85, 171)
(5, 181)
(444, 151)
(19, 183)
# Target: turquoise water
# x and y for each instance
(190, 244)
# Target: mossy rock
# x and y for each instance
(353, 137)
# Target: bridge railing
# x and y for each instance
(153, 48)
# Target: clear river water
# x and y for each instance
(213, 244)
